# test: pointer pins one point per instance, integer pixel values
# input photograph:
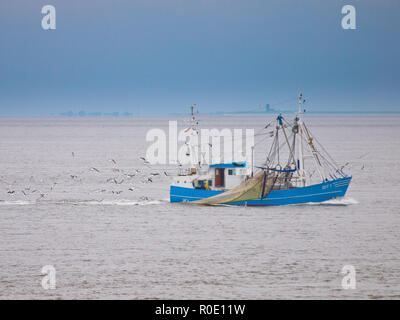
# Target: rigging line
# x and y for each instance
(293, 148)
(277, 137)
(262, 140)
(290, 149)
(312, 147)
(321, 155)
(335, 169)
(317, 151)
(288, 123)
(272, 151)
(277, 149)
(326, 152)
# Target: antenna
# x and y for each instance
(299, 120)
(300, 103)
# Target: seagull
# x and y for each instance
(363, 155)
(73, 154)
(130, 189)
(113, 161)
(94, 169)
(149, 180)
(345, 165)
(11, 191)
(23, 192)
(144, 160)
(154, 173)
(73, 176)
(166, 173)
(362, 168)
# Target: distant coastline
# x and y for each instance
(313, 112)
(83, 113)
(116, 114)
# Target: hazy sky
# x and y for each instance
(160, 56)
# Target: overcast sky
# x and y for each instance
(160, 56)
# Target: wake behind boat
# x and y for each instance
(308, 173)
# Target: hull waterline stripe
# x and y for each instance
(266, 199)
(302, 196)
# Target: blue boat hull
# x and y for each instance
(314, 193)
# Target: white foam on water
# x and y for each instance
(15, 203)
(123, 202)
(342, 201)
(336, 202)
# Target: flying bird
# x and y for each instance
(345, 165)
(144, 160)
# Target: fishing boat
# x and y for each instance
(297, 170)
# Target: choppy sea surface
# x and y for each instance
(75, 194)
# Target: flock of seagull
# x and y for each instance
(119, 177)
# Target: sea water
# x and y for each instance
(75, 195)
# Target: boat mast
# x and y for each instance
(302, 174)
(194, 135)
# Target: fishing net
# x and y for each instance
(256, 187)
